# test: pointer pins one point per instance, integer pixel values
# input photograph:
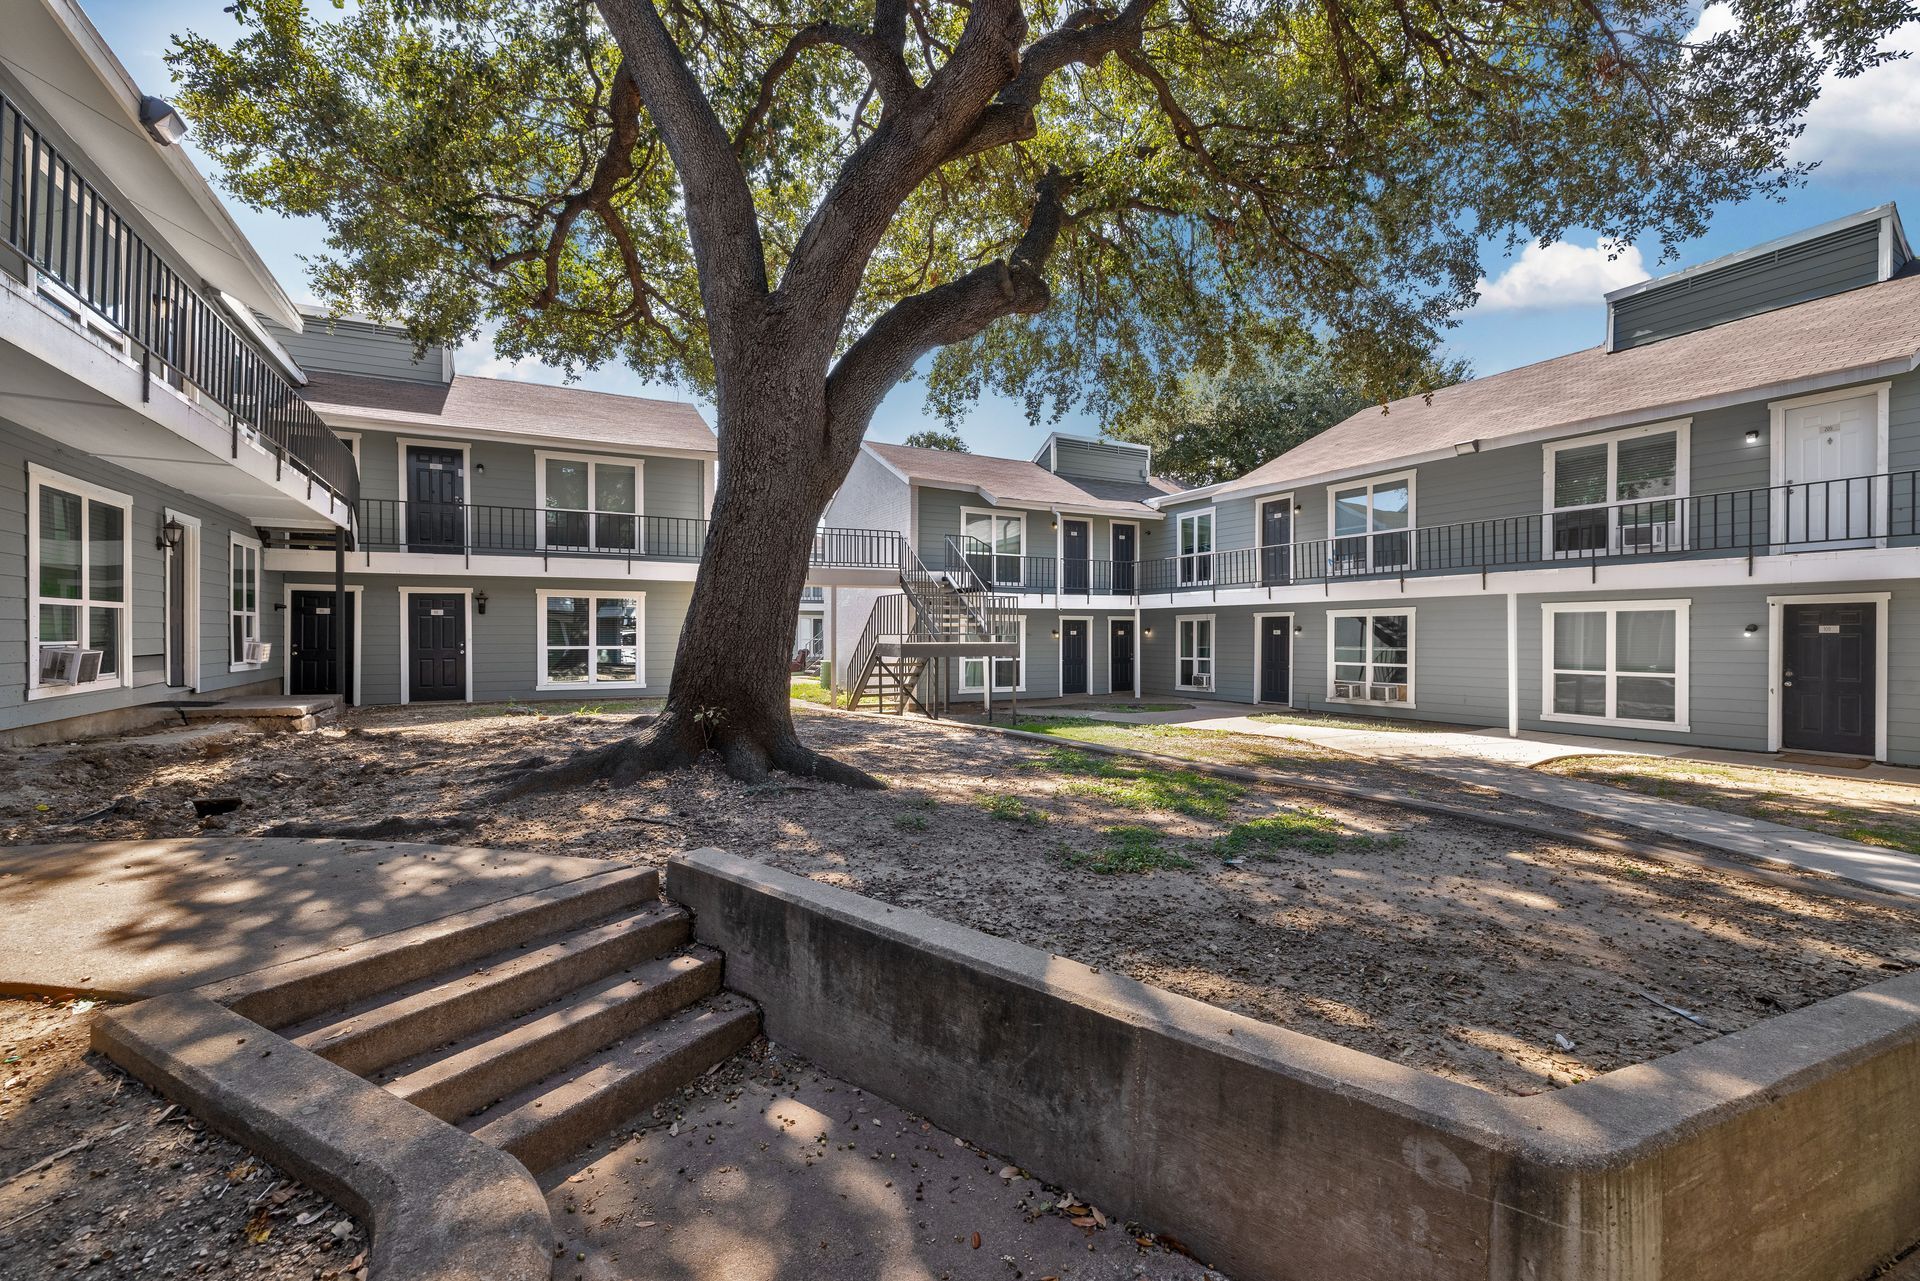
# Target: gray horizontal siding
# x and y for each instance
(355, 347)
(1844, 259)
(146, 585)
(504, 473)
(1099, 461)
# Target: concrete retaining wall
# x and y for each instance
(1789, 1151)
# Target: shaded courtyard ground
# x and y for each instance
(1509, 962)
(101, 1177)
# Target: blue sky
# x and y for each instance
(1534, 304)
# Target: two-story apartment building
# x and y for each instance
(513, 541)
(1702, 530)
(148, 426)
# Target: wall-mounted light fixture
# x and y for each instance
(480, 602)
(1467, 447)
(170, 535)
(161, 121)
(1753, 629)
(1056, 634)
(1299, 628)
(1147, 632)
(479, 469)
(1298, 508)
(1753, 436)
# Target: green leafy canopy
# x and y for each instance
(1240, 176)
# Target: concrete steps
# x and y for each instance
(546, 1028)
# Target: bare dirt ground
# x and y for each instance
(1509, 962)
(101, 1177)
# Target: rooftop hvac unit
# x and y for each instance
(258, 651)
(70, 665)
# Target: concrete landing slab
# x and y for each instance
(136, 918)
(259, 708)
(812, 1179)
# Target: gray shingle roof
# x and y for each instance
(1015, 480)
(570, 414)
(1868, 332)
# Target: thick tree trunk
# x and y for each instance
(730, 690)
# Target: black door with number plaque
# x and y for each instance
(1276, 660)
(1074, 540)
(1120, 654)
(315, 664)
(1073, 656)
(1125, 552)
(1827, 694)
(1276, 541)
(436, 494)
(436, 648)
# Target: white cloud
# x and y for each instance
(1545, 277)
(1864, 128)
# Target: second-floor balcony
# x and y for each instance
(1836, 515)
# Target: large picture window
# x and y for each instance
(590, 641)
(1009, 674)
(1372, 657)
(1196, 548)
(1369, 524)
(1611, 495)
(996, 546)
(243, 609)
(1193, 652)
(1618, 663)
(591, 504)
(79, 538)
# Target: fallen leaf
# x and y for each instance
(258, 1228)
(976, 1240)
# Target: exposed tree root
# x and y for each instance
(670, 745)
(395, 828)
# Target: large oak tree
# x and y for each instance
(791, 204)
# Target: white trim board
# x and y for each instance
(287, 588)
(406, 665)
(192, 548)
(237, 539)
(1883, 609)
(1259, 656)
(1213, 653)
(37, 477)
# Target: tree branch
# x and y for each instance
(721, 220)
(941, 316)
(883, 62)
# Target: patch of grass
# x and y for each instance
(914, 822)
(1306, 830)
(808, 689)
(1011, 809)
(1138, 786)
(1385, 724)
(1222, 747)
(1125, 707)
(1126, 848)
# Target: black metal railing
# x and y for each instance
(1805, 516)
(999, 571)
(61, 224)
(857, 548)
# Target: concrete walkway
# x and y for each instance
(135, 918)
(1489, 758)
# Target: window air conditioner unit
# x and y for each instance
(1643, 538)
(1389, 693)
(258, 651)
(68, 665)
(1347, 689)
(1204, 682)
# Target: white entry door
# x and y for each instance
(1829, 453)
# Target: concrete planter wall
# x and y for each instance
(1788, 1151)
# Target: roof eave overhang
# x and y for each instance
(342, 418)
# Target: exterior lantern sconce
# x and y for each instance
(1147, 632)
(1056, 634)
(479, 469)
(170, 535)
(480, 602)
(1299, 629)
(1298, 508)
(1753, 436)
(1753, 629)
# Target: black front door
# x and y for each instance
(1073, 549)
(316, 660)
(1276, 541)
(1125, 553)
(1827, 693)
(436, 648)
(1120, 654)
(435, 491)
(1073, 656)
(1276, 660)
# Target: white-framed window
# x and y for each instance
(1196, 548)
(590, 503)
(79, 548)
(591, 640)
(995, 545)
(1193, 652)
(1009, 674)
(1369, 524)
(1610, 494)
(1370, 656)
(243, 600)
(1618, 662)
